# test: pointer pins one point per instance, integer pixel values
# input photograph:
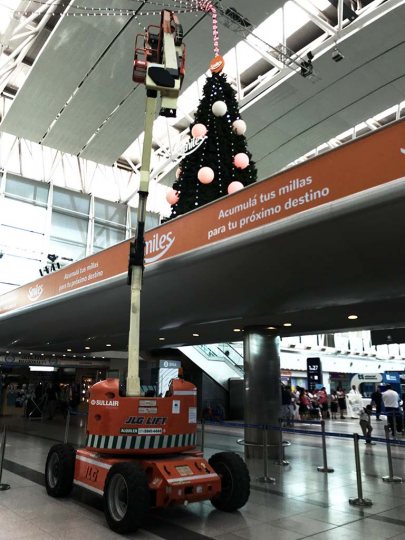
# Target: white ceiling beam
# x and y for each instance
(309, 9)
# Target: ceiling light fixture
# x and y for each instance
(287, 324)
(69, 350)
(162, 339)
(353, 317)
(108, 345)
(237, 330)
(271, 328)
(87, 348)
(196, 335)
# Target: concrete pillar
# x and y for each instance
(262, 395)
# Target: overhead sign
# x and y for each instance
(314, 373)
(35, 360)
(358, 166)
(391, 378)
(369, 378)
(170, 364)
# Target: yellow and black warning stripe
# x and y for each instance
(140, 442)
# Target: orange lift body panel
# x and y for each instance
(141, 425)
(171, 479)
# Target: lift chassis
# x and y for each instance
(140, 452)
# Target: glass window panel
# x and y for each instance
(69, 228)
(23, 215)
(68, 236)
(152, 220)
(27, 189)
(109, 211)
(66, 249)
(105, 237)
(70, 200)
(18, 270)
(22, 243)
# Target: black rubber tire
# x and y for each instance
(126, 497)
(59, 470)
(235, 481)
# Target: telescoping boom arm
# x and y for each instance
(159, 64)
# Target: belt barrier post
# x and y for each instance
(359, 501)
(325, 467)
(202, 434)
(391, 477)
(265, 478)
(3, 487)
(65, 440)
(281, 457)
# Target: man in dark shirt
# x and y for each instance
(376, 398)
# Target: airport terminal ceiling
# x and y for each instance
(87, 105)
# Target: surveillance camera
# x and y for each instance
(337, 56)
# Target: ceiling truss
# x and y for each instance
(284, 63)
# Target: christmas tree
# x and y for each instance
(222, 163)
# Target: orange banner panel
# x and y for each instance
(374, 160)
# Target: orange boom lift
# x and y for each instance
(141, 451)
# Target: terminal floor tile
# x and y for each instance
(302, 503)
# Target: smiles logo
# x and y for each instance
(35, 292)
(158, 246)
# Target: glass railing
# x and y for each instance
(223, 352)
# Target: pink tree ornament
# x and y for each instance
(241, 161)
(172, 196)
(205, 175)
(199, 130)
(234, 187)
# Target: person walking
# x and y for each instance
(341, 401)
(334, 404)
(391, 403)
(323, 402)
(376, 398)
(365, 423)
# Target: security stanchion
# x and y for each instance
(281, 456)
(202, 434)
(65, 440)
(391, 477)
(325, 467)
(3, 487)
(360, 500)
(265, 478)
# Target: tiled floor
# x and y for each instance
(303, 503)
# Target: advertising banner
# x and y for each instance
(363, 164)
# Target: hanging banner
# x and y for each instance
(372, 161)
